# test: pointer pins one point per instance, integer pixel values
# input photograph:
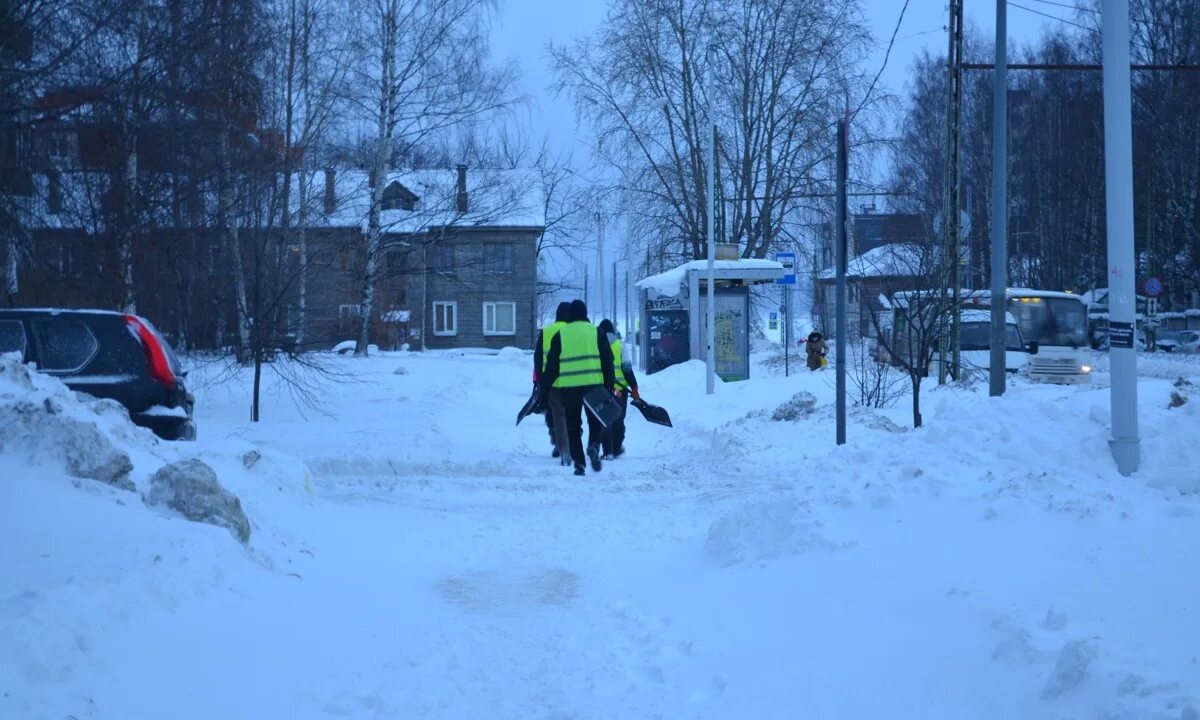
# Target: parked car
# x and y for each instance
(106, 355)
(1166, 340)
(1189, 341)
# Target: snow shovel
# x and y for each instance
(652, 413)
(535, 405)
(603, 406)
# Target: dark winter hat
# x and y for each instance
(578, 311)
(563, 312)
(607, 326)
(814, 336)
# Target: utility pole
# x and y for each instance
(600, 262)
(843, 156)
(951, 201)
(614, 292)
(1118, 184)
(710, 358)
(999, 285)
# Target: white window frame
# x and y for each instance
(438, 309)
(493, 307)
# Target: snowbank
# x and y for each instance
(414, 555)
(44, 424)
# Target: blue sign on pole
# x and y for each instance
(1153, 287)
(788, 260)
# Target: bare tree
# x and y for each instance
(922, 305)
(772, 74)
(427, 74)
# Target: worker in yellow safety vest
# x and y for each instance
(556, 422)
(578, 360)
(626, 385)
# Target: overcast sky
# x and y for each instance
(524, 27)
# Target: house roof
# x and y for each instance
(496, 198)
(892, 260)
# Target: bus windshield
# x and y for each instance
(973, 336)
(1051, 321)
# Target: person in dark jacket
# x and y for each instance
(815, 349)
(556, 423)
(626, 385)
(579, 359)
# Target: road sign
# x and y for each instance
(1120, 335)
(1153, 287)
(774, 316)
(788, 260)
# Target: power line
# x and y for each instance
(887, 54)
(1069, 7)
(1052, 17)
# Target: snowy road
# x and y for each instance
(443, 566)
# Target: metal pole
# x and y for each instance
(842, 159)
(997, 363)
(785, 323)
(1118, 182)
(956, 194)
(599, 310)
(710, 358)
(614, 291)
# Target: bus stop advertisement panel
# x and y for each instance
(732, 336)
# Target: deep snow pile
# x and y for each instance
(990, 565)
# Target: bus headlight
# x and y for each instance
(1085, 369)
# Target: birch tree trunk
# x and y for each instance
(11, 284)
(383, 151)
(229, 230)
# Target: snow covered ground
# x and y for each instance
(416, 556)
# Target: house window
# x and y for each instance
(499, 318)
(54, 198)
(444, 259)
(397, 261)
(445, 317)
(349, 312)
(498, 258)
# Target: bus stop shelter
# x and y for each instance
(674, 306)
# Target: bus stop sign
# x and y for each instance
(1153, 287)
(788, 260)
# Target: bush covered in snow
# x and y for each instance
(190, 488)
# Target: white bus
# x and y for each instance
(975, 343)
(1054, 326)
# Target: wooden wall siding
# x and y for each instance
(336, 261)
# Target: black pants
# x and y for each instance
(614, 437)
(573, 411)
(556, 421)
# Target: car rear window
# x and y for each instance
(12, 337)
(64, 345)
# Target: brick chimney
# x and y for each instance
(330, 193)
(460, 200)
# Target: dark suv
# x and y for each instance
(106, 355)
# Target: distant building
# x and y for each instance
(458, 266)
(884, 257)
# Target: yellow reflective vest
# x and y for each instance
(579, 362)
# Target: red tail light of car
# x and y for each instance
(156, 355)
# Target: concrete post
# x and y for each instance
(999, 285)
(1118, 181)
